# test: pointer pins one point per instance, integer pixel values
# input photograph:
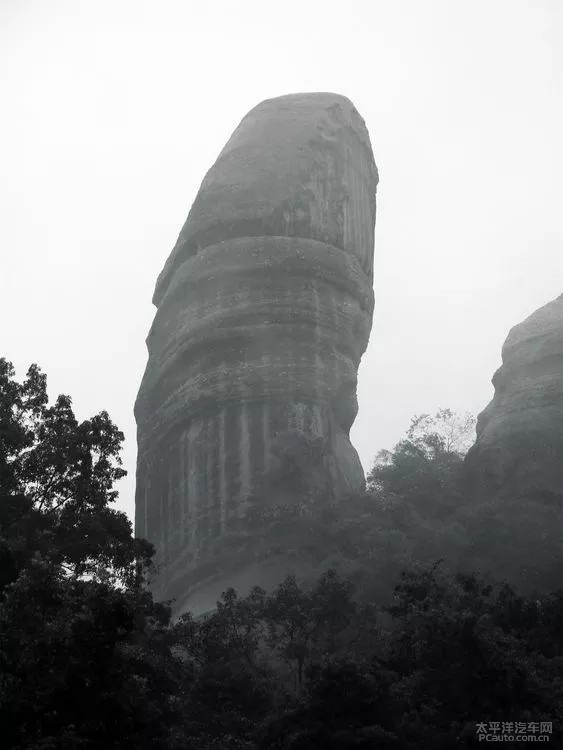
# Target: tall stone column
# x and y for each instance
(264, 310)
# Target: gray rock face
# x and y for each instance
(519, 448)
(264, 310)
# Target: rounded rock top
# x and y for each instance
(298, 165)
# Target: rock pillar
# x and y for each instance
(264, 309)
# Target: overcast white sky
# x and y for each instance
(111, 112)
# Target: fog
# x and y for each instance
(112, 111)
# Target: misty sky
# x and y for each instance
(113, 110)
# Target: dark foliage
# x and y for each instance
(393, 651)
(85, 658)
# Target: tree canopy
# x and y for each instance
(82, 660)
(406, 641)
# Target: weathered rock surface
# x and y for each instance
(264, 310)
(519, 448)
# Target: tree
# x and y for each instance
(85, 660)
(458, 650)
(425, 467)
(57, 480)
(88, 660)
(348, 704)
(408, 513)
(232, 684)
(469, 650)
(304, 625)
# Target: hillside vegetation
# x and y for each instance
(435, 611)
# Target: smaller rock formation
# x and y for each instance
(519, 448)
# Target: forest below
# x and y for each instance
(435, 611)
